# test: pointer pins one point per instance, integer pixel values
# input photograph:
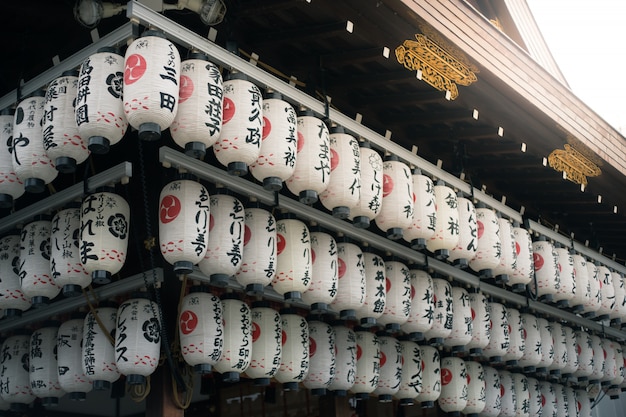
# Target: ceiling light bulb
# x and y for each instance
(211, 12)
(89, 12)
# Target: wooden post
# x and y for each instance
(160, 401)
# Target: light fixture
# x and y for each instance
(211, 12)
(89, 12)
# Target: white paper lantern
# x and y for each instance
(11, 187)
(12, 298)
(489, 245)
(623, 367)
(581, 280)
(293, 266)
(44, 375)
(446, 234)
(324, 260)
(560, 349)
(517, 343)
(566, 288)
(619, 366)
(184, 215)
(442, 312)
(609, 365)
(72, 379)
(594, 303)
(608, 292)
(597, 372)
(546, 269)
(345, 360)
(508, 255)
(14, 373)
(100, 113)
(583, 403)
(239, 143)
(367, 364)
(453, 398)
(225, 245)
(137, 339)
(584, 354)
(397, 208)
(522, 395)
(375, 296)
(37, 282)
(237, 350)
(312, 172)
(618, 314)
(321, 357)
(507, 394)
(481, 323)
(572, 402)
(390, 368)
(535, 405)
(499, 338)
(431, 376)
(533, 346)
(351, 280)
(200, 329)
(493, 393)
(294, 362)
(422, 227)
(411, 382)
(525, 268)
(198, 121)
(562, 405)
(30, 161)
(571, 365)
(104, 229)
(422, 305)
(476, 389)
(151, 84)
(461, 333)
(258, 265)
(98, 354)
(547, 345)
(61, 140)
(277, 157)
(548, 399)
(397, 295)
(67, 270)
(467, 245)
(267, 334)
(371, 195)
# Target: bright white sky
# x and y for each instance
(588, 41)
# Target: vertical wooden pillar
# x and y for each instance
(332, 406)
(160, 401)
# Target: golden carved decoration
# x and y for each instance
(434, 65)
(497, 24)
(576, 166)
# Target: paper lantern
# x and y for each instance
(508, 255)
(312, 172)
(571, 365)
(345, 360)
(137, 339)
(442, 312)
(607, 290)
(481, 323)
(493, 393)
(371, 195)
(151, 84)
(104, 229)
(489, 244)
(619, 366)
(547, 345)
(397, 295)
(11, 187)
(184, 215)
(411, 382)
(390, 368)
(594, 303)
(623, 367)
(535, 403)
(200, 329)
(351, 280)
(461, 333)
(524, 268)
(422, 305)
(44, 375)
(522, 395)
(476, 389)
(99, 106)
(397, 208)
(321, 357)
(30, 162)
(72, 379)
(239, 143)
(293, 265)
(422, 227)
(584, 354)
(546, 269)
(566, 286)
(14, 375)
(225, 244)
(517, 343)
(560, 349)
(499, 338)
(367, 364)
(548, 399)
(618, 314)
(375, 295)
(37, 282)
(267, 332)
(583, 403)
(582, 295)
(12, 298)
(453, 398)
(562, 405)
(294, 360)
(237, 350)
(67, 270)
(533, 346)
(431, 377)
(609, 365)
(198, 120)
(597, 372)
(324, 260)
(507, 395)
(61, 139)
(258, 264)
(277, 157)
(572, 402)
(344, 186)
(98, 354)
(467, 245)
(446, 234)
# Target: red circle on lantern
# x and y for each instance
(524, 334)
(473, 314)
(402, 360)
(312, 347)
(312, 256)
(267, 127)
(543, 400)
(247, 234)
(341, 268)
(579, 349)
(481, 228)
(387, 185)
(280, 243)
(228, 110)
(423, 364)
(134, 69)
(359, 352)
(604, 351)
(170, 208)
(468, 378)
(412, 292)
(188, 321)
(186, 88)
(256, 332)
(560, 268)
(387, 284)
(211, 222)
(283, 339)
(518, 248)
(383, 359)
(538, 261)
(579, 405)
(300, 142)
(501, 390)
(446, 376)
(334, 159)
(490, 324)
